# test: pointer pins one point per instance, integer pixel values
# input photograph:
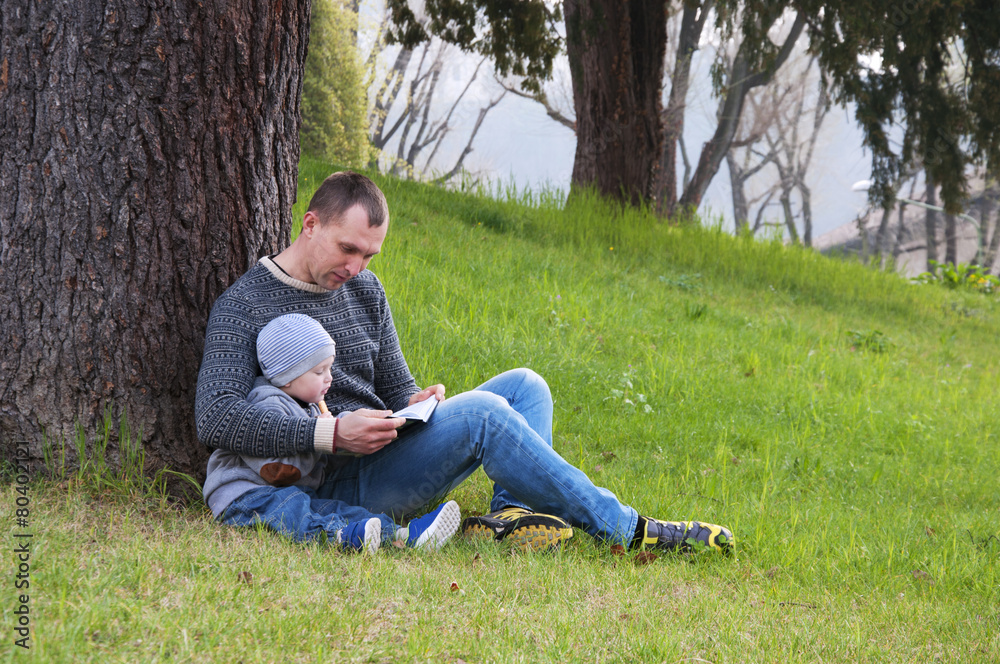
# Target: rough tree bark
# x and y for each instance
(616, 50)
(148, 155)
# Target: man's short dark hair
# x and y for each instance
(342, 191)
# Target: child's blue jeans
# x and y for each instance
(299, 513)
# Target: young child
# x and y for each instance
(296, 357)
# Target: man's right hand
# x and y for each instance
(366, 431)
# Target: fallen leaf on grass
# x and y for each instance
(645, 557)
(245, 577)
(641, 558)
(456, 589)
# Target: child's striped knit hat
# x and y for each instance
(291, 345)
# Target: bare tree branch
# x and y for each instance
(542, 99)
(740, 81)
(468, 146)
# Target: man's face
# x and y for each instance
(340, 250)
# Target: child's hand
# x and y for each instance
(325, 416)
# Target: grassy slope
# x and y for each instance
(861, 485)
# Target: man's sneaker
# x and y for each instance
(683, 535)
(525, 529)
(363, 536)
(435, 528)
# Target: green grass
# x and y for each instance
(840, 420)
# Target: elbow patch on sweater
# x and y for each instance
(280, 474)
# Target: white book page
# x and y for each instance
(419, 411)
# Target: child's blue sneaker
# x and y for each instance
(363, 536)
(433, 529)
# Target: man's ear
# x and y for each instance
(310, 220)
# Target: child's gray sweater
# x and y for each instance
(230, 475)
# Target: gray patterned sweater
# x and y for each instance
(369, 370)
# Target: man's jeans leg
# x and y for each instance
(483, 427)
(299, 513)
(528, 394)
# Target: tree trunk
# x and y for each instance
(740, 79)
(992, 244)
(883, 232)
(786, 207)
(616, 50)
(148, 156)
(807, 216)
(692, 24)
(741, 210)
(930, 222)
(950, 239)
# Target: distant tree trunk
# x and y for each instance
(148, 155)
(692, 23)
(741, 210)
(786, 208)
(991, 241)
(930, 222)
(900, 228)
(616, 50)
(883, 231)
(740, 79)
(950, 239)
(807, 220)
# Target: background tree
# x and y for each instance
(760, 53)
(947, 124)
(989, 223)
(615, 46)
(148, 155)
(616, 52)
(334, 97)
(685, 31)
(775, 146)
(412, 118)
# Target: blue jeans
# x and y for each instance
(505, 426)
(299, 513)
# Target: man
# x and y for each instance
(504, 425)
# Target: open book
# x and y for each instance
(418, 412)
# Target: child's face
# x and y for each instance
(313, 384)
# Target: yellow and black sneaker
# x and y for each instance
(523, 528)
(682, 535)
